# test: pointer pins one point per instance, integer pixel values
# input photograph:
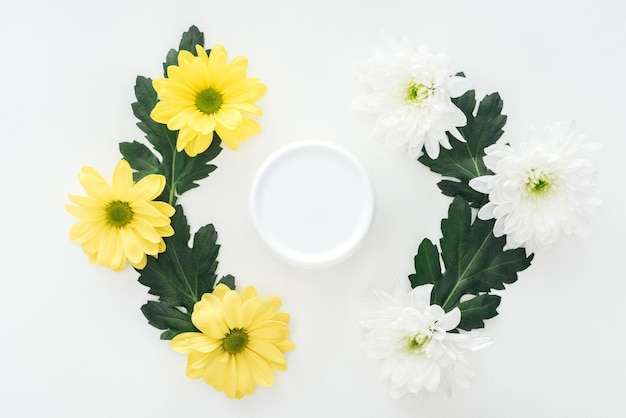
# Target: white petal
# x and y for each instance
(419, 297)
(480, 184)
(457, 86)
(450, 320)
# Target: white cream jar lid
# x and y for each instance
(312, 203)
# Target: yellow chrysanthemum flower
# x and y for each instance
(121, 220)
(242, 340)
(204, 94)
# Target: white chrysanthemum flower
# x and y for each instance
(411, 339)
(411, 92)
(542, 187)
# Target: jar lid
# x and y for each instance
(312, 203)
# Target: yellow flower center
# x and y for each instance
(209, 101)
(235, 341)
(417, 93)
(119, 213)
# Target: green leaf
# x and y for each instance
(190, 39)
(427, 265)
(476, 310)
(181, 171)
(475, 263)
(229, 281)
(180, 275)
(475, 260)
(167, 318)
(456, 188)
(464, 160)
(170, 59)
(144, 161)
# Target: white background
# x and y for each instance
(74, 342)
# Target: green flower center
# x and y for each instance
(417, 342)
(119, 213)
(539, 183)
(209, 101)
(417, 93)
(235, 341)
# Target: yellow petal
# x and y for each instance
(235, 73)
(185, 136)
(144, 229)
(249, 293)
(231, 388)
(201, 53)
(200, 145)
(85, 202)
(246, 91)
(202, 123)
(242, 107)
(110, 250)
(261, 371)
(196, 363)
(267, 351)
(165, 231)
(131, 245)
(198, 77)
(207, 317)
(141, 264)
(122, 178)
(271, 332)
(232, 310)
(282, 317)
(87, 214)
(229, 118)
(181, 119)
(184, 58)
(245, 381)
(82, 232)
(285, 346)
(194, 341)
(267, 309)
(249, 309)
(165, 208)
(148, 188)
(149, 212)
(215, 373)
(221, 290)
(96, 187)
(246, 128)
(217, 60)
(164, 111)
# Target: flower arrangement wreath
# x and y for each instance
(509, 200)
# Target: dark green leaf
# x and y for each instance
(167, 318)
(476, 310)
(204, 254)
(188, 170)
(141, 159)
(181, 275)
(464, 160)
(475, 261)
(190, 39)
(170, 59)
(229, 281)
(427, 265)
(456, 188)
